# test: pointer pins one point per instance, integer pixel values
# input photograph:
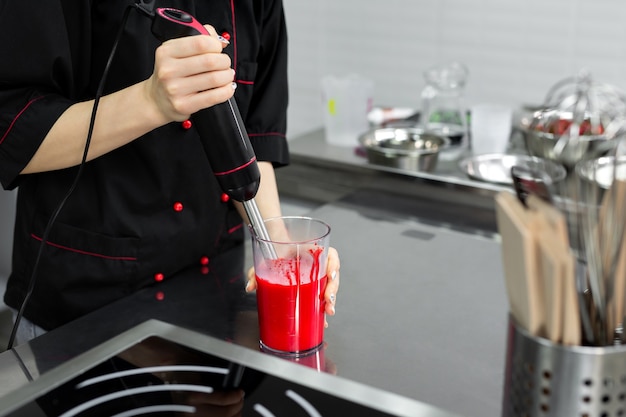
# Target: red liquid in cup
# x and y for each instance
(291, 311)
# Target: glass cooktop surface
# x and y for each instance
(183, 373)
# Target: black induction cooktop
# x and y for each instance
(164, 370)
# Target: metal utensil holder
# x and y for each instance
(543, 379)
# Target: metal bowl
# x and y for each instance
(405, 148)
(541, 144)
(496, 168)
(602, 171)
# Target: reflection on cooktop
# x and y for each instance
(158, 376)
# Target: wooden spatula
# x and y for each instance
(550, 262)
(518, 229)
(563, 322)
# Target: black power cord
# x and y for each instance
(44, 239)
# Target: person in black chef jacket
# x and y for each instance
(147, 204)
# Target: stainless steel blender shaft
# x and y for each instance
(256, 221)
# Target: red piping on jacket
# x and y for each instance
(98, 255)
(17, 117)
(235, 228)
(234, 39)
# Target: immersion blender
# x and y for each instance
(221, 128)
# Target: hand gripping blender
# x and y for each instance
(221, 129)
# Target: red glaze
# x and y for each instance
(291, 310)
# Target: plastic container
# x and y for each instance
(346, 102)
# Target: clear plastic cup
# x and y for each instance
(490, 128)
(291, 285)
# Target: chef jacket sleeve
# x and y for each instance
(266, 119)
(40, 44)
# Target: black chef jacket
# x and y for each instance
(151, 208)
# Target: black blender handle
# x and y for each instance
(221, 128)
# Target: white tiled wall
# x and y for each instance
(515, 50)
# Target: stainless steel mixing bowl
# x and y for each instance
(496, 168)
(542, 144)
(579, 119)
(405, 148)
(602, 171)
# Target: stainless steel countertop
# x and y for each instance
(425, 248)
(325, 172)
(422, 310)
